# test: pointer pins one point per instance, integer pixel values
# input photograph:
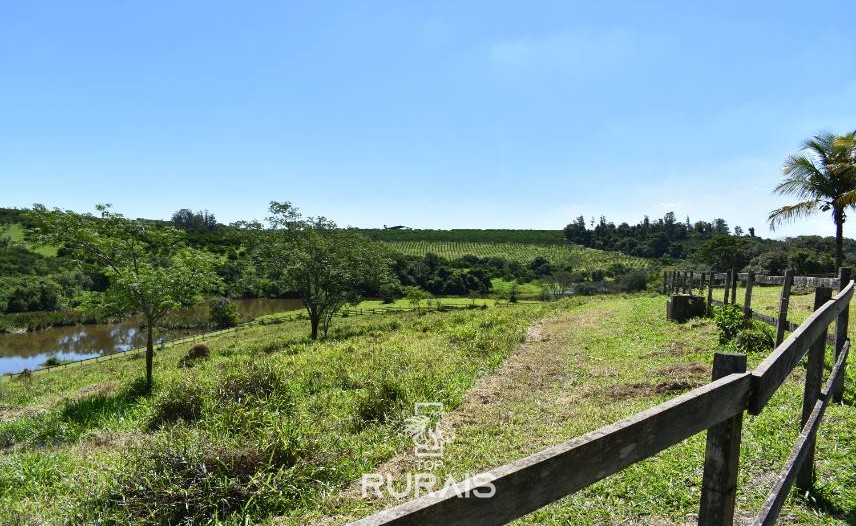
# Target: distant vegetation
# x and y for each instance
(35, 277)
(823, 178)
(466, 235)
(712, 245)
(558, 254)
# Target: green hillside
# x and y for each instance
(577, 257)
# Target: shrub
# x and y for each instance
(586, 289)
(729, 319)
(759, 338)
(257, 380)
(597, 275)
(616, 270)
(381, 401)
(222, 313)
(634, 281)
(185, 479)
(389, 292)
(181, 402)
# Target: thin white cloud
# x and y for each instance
(563, 51)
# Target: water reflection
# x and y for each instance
(30, 350)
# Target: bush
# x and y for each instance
(389, 292)
(634, 281)
(586, 289)
(381, 401)
(729, 319)
(597, 275)
(222, 313)
(181, 402)
(179, 478)
(257, 380)
(758, 339)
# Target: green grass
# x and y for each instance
(15, 233)
(579, 258)
(500, 285)
(285, 418)
(276, 425)
(604, 360)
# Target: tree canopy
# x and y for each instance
(326, 266)
(823, 179)
(149, 270)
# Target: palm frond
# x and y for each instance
(801, 177)
(847, 199)
(820, 146)
(790, 213)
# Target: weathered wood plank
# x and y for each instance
(769, 280)
(722, 455)
(811, 390)
(535, 481)
(747, 298)
(841, 335)
(773, 505)
(734, 280)
(770, 374)
(784, 300)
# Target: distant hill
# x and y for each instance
(467, 235)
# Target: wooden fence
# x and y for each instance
(718, 407)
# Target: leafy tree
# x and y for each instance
(415, 295)
(190, 220)
(823, 179)
(149, 271)
(222, 313)
(722, 252)
(326, 266)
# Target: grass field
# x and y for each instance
(15, 233)
(578, 257)
(274, 425)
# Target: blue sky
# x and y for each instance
(427, 114)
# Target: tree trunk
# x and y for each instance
(314, 320)
(150, 353)
(839, 237)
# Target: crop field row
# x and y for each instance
(576, 256)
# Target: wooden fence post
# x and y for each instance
(782, 321)
(734, 280)
(710, 293)
(722, 455)
(813, 379)
(664, 281)
(690, 282)
(841, 335)
(747, 299)
(727, 287)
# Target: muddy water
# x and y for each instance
(30, 350)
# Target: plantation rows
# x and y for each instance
(575, 256)
(467, 235)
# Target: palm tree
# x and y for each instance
(824, 179)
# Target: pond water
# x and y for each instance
(30, 350)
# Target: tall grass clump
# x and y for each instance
(181, 402)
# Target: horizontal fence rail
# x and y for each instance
(530, 483)
(769, 375)
(801, 451)
(535, 481)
